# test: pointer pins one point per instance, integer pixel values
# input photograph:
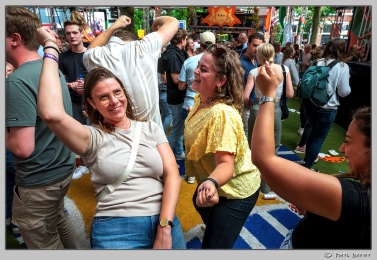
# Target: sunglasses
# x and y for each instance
(217, 50)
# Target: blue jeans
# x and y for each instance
(77, 113)
(10, 176)
(225, 220)
(175, 137)
(166, 116)
(131, 233)
(321, 121)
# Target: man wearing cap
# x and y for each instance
(248, 60)
(186, 76)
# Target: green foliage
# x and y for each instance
(308, 12)
(179, 13)
(138, 20)
(276, 32)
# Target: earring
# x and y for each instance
(219, 88)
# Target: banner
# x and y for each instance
(221, 16)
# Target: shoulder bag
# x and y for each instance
(109, 188)
(283, 98)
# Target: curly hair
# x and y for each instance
(227, 64)
(361, 116)
(91, 80)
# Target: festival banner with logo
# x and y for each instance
(221, 16)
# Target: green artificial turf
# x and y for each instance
(336, 136)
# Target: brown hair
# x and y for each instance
(361, 116)
(67, 23)
(91, 80)
(227, 64)
(25, 23)
(179, 36)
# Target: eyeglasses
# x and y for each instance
(105, 99)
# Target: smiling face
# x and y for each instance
(109, 99)
(206, 80)
(357, 154)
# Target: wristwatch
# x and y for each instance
(265, 99)
(164, 222)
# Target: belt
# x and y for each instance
(277, 100)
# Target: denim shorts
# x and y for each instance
(287, 242)
(131, 233)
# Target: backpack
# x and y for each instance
(314, 84)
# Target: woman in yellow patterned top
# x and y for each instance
(217, 151)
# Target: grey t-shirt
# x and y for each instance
(107, 157)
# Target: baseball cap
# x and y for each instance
(207, 36)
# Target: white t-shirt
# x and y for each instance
(135, 64)
(258, 93)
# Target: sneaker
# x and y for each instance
(300, 149)
(269, 196)
(316, 160)
(300, 131)
(316, 170)
(191, 180)
(79, 172)
(180, 156)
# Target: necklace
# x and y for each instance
(125, 124)
(206, 102)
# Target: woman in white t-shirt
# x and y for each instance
(265, 54)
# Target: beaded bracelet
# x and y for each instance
(213, 180)
(51, 56)
(49, 40)
(51, 47)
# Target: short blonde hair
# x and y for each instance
(265, 52)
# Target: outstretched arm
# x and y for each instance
(50, 99)
(103, 38)
(166, 27)
(316, 192)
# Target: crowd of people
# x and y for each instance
(130, 108)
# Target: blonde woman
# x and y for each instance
(265, 55)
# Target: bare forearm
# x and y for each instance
(103, 38)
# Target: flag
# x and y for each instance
(267, 22)
(282, 14)
(301, 25)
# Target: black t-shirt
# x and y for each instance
(351, 230)
(172, 61)
(71, 65)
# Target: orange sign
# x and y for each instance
(221, 16)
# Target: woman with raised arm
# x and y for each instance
(338, 212)
(140, 212)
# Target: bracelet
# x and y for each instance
(213, 181)
(51, 47)
(51, 56)
(49, 40)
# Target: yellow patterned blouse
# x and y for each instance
(219, 128)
